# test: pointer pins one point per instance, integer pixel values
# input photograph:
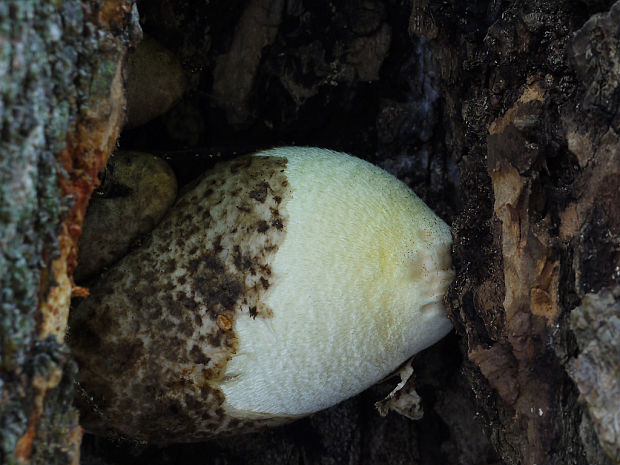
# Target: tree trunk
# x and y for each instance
(532, 96)
(502, 115)
(61, 105)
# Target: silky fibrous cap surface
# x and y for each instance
(358, 283)
(282, 283)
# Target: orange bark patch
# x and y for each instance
(86, 153)
(113, 12)
(42, 385)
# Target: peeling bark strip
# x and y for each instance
(531, 272)
(58, 123)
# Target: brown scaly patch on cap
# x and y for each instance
(158, 329)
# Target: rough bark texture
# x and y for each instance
(538, 97)
(61, 105)
(502, 115)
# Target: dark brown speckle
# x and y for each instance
(159, 330)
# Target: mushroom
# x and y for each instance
(280, 284)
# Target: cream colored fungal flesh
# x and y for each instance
(358, 283)
(281, 284)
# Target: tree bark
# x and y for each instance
(534, 123)
(61, 105)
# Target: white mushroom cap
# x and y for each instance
(280, 284)
(356, 290)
